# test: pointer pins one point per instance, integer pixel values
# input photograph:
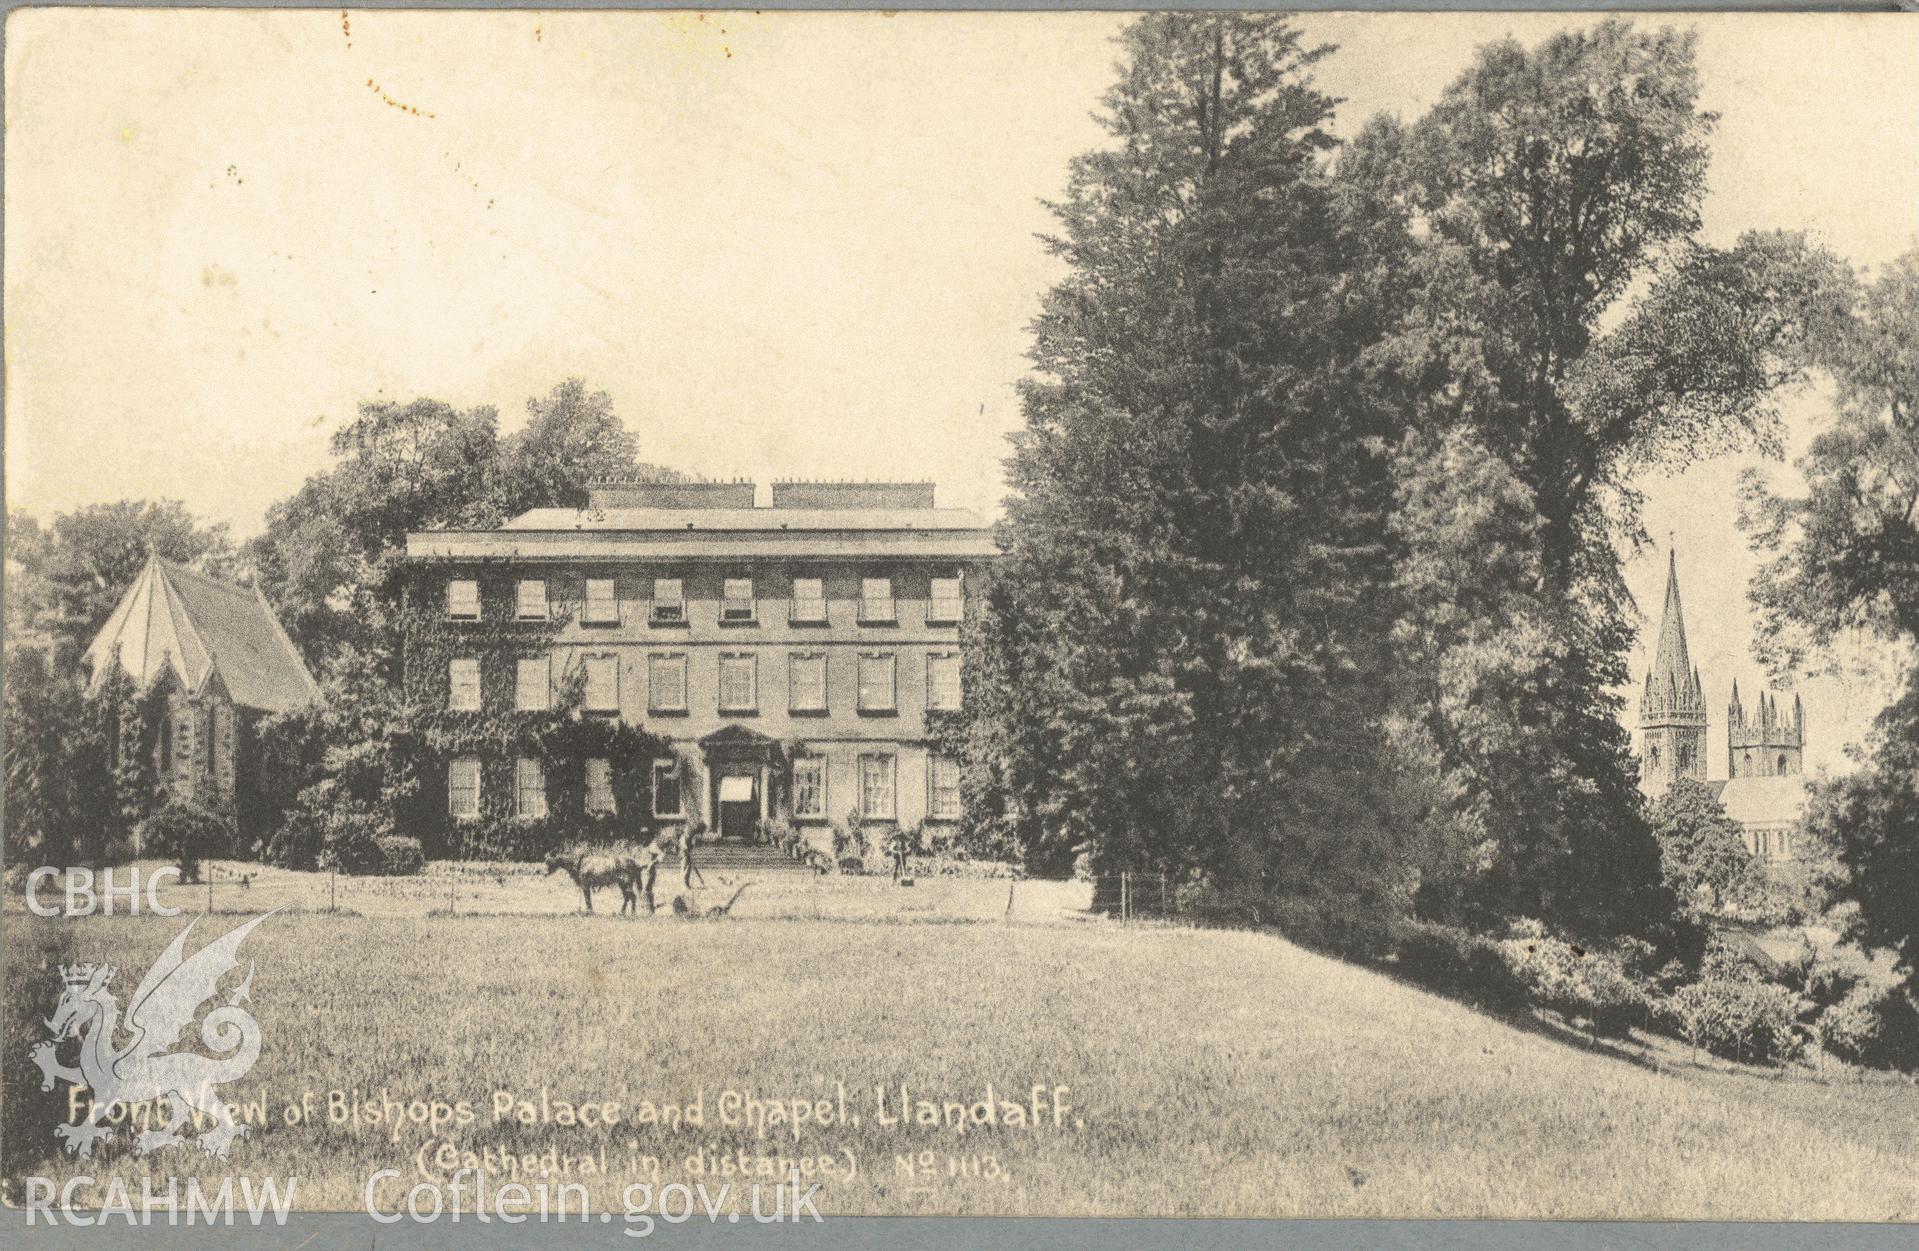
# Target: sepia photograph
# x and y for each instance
(629, 622)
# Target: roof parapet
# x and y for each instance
(794, 493)
(636, 491)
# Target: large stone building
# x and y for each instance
(1764, 789)
(793, 654)
(217, 654)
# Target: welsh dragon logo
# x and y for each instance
(148, 1067)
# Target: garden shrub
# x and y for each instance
(1454, 961)
(1737, 1017)
(298, 842)
(400, 856)
(1579, 984)
(353, 839)
(185, 833)
(1321, 922)
(1875, 1027)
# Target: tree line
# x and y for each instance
(1312, 590)
(1311, 596)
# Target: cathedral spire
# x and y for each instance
(1672, 674)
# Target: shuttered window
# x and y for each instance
(943, 680)
(532, 685)
(602, 683)
(599, 786)
(463, 684)
(809, 600)
(463, 599)
(877, 682)
(806, 682)
(602, 603)
(946, 604)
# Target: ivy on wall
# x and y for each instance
(562, 738)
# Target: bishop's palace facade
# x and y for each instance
(1764, 787)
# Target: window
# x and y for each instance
(1782, 766)
(530, 603)
(529, 788)
(806, 682)
(876, 682)
(602, 683)
(942, 787)
(533, 680)
(809, 600)
(809, 788)
(736, 602)
(876, 787)
(463, 788)
(943, 680)
(166, 745)
(947, 603)
(666, 682)
(666, 789)
(602, 602)
(599, 786)
(739, 683)
(463, 599)
(463, 685)
(668, 603)
(876, 599)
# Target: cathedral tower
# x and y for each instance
(1672, 710)
(1768, 743)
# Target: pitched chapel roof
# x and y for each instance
(197, 627)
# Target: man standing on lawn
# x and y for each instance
(687, 869)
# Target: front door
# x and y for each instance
(739, 806)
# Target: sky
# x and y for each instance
(789, 245)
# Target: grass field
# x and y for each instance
(1206, 1072)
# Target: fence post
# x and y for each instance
(451, 910)
(1010, 883)
(1125, 895)
(332, 904)
(209, 886)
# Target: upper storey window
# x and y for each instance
(736, 602)
(948, 601)
(809, 600)
(463, 599)
(669, 601)
(530, 603)
(602, 603)
(876, 600)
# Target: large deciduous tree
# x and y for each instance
(1568, 332)
(1843, 561)
(68, 576)
(1186, 651)
(330, 556)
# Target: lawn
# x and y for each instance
(1205, 1072)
